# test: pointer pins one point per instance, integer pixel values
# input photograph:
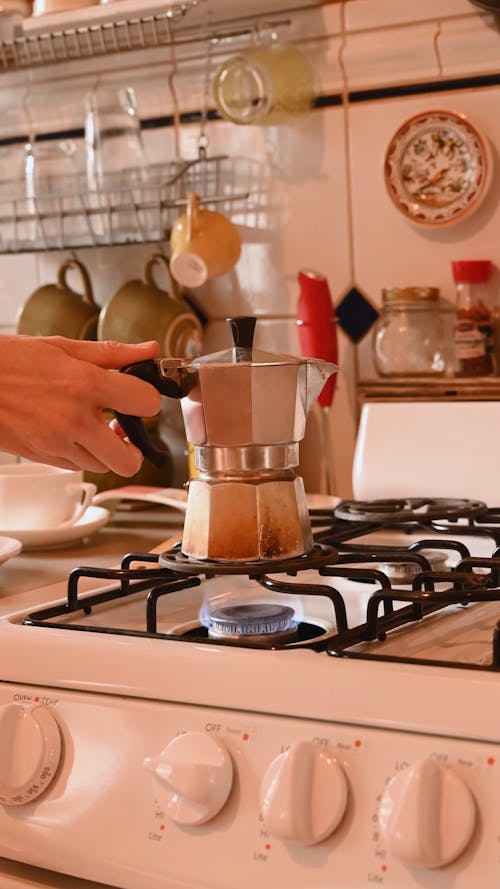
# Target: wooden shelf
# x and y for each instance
(430, 389)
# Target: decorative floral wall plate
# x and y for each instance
(437, 168)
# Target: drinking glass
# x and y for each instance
(116, 162)
(52, 191)
(113, 140)
(12, 195)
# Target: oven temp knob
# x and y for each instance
(303, 795)
(427, 815)
(196, 770)
(30, 751)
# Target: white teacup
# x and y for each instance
(36, 496)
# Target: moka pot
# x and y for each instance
(244, 412)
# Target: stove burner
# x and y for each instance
(404, 572)
(410, 509)
(267, 622)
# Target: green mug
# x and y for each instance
(140, 311)
(57, 310)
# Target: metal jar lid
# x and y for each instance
(393, 295)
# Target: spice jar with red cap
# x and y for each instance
(474, 340)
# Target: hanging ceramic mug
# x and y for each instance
(205, 244)
(269, 83)
(140, 311)
(58, 310)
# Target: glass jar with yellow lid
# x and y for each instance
(413, 335)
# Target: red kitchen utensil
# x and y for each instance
(318, 339)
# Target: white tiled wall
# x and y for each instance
(394, 252)
(320, 182)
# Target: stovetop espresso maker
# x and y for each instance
(245, 412)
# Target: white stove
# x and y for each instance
(138, 751)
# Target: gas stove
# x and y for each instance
(321, 721)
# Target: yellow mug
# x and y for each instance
(205, 244)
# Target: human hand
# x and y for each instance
(52, 394)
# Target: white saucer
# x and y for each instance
(173, 497)
(92, 520)
(9, 547)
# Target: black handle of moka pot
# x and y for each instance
(134, 428)
(242, 331)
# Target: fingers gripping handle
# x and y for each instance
(135, 431)
(134, 428)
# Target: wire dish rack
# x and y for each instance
(102, 30)
(134, 208)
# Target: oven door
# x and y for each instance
(14, 875)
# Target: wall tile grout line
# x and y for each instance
(453, 84)
(400, 26)
(437, 51)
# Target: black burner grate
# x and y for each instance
(463, 587)
(410, 509)
(158, 582)
(176, 561)
(441, 515)
(334, 555)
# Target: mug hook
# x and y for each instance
(172, 89)
(202, 136)
(26, 104)
(263, 33)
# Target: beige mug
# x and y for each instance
(140, 311)
(205, 244)
(57, 310)
(35, 496)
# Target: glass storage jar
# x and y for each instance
(414, 333)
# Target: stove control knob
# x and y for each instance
(197, 772)
(30, 751)
(303, 795)
(427, 814)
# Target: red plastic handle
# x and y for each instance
(317, 325)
